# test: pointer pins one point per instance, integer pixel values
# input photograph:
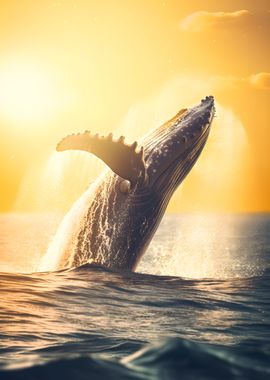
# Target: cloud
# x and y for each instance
(260, 80)
(202, 20)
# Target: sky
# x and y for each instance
(127, 66)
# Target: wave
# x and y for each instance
(92, 322)
(170, 359)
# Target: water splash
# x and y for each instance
(203, 246)
(55, 184)
(61, 250)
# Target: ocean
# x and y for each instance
(197, 308)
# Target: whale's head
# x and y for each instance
(172, 149)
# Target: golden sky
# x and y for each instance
(66, 66)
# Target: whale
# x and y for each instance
(120, 213)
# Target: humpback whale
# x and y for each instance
(123, 211)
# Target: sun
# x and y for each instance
(27, 93)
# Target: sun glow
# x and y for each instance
(27, 93)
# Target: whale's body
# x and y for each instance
(124, 209)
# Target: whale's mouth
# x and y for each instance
(172, 149)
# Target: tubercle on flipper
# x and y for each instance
(64, 143)
(125, 160)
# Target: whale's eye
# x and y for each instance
(125, 186)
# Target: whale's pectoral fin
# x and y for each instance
(125, 160)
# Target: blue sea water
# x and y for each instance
(198, 307)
